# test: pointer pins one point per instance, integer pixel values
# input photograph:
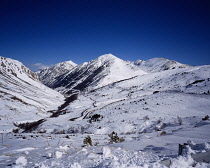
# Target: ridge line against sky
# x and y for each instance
(52, 31)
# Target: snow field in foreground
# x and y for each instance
(58, 151)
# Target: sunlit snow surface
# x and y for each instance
(153, 112)
(22, 95)
(102, 71)
(48, 75)
(50, 150)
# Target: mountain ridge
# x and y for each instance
(107, 69)
(96, 73)
(49, 74)
(10, 66)
(22, 94)
(159, 64)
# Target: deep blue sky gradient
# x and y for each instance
(52, 31)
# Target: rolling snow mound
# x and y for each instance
(159, 64)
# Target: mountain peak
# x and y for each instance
(49, 74)
(102, 71)
(70, 63)
(65, 65)
(107, 57)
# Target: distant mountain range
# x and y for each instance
(24, 97)
(104, 70)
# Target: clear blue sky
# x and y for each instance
(52, 31)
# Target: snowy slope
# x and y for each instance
(159, 64)
(152, 112)
(190, 84)
(17, 69)
(48, 75)
(22, 95)
(104, 70)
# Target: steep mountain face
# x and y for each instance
(48, 75)
(22, 95)
(17, 69)
(159, 64)
(104, 70)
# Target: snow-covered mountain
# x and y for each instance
(22, 95)
(159, 64)
(17, 69)
(104, 70)
(152, 112)
(48, 75)
(126, 99)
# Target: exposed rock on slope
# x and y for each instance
(48, 75)
(17, 69)
(22, 95)
(104, 70)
